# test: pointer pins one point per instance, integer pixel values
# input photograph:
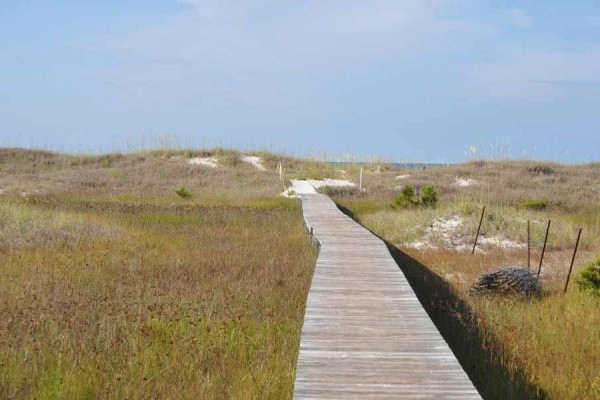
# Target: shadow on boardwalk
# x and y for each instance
(458, 325)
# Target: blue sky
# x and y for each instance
(413, 80)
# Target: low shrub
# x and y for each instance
(406, 197)
(540, 170)
(588, 279)
(534, 204)
(183, 192)
(429, 196)
(339, 191)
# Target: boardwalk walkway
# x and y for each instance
(365, 334)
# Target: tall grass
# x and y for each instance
(553, 341)
(205, 304)
(116, 292)
(115, 287)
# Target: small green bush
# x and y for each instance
(429, 196)
(588, 279)
(534, 204)
(183, 192)
(406, 197)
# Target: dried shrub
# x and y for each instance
(339, 191)
(540, 169)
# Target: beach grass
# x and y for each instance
(554, 340)
(114, 293)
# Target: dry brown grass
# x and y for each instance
(144, 294)
(115, 287)
(143, 175)
(566, 187)
(553, 340)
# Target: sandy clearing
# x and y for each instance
(499, 242)
(465, 182)
(255, 161)
(330, 182)
(210, 162)
(310, 186)
(445, 232)
(403, 176)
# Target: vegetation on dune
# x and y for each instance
(114, 293)
(113, 287)
(554, 340)
(207, 304)
(534, 204)
(429, 196)
(183, 192)
(406, 197)
(589, 278)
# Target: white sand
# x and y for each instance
(499, 242)
(465, 182)
(446, 232)
(255, 161)
(310, 186)
(403, 176)
(210, 162)
(331, 182)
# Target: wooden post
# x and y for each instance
(529, 245)
(478, 230)
(280, 172)
(360, 179)
(544, 249)
(572, 261)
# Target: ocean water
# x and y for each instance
(399, 165)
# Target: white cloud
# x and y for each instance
(236, 37)
(257, 52)
(247, 51)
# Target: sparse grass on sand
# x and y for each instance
(112, 286)
(554, 340)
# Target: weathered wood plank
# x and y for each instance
(365, 334)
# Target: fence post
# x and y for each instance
(529, 245)
(478, 230)
(360, 179)
(572, 260)
(544, 249)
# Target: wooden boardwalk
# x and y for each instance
(365, 334)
